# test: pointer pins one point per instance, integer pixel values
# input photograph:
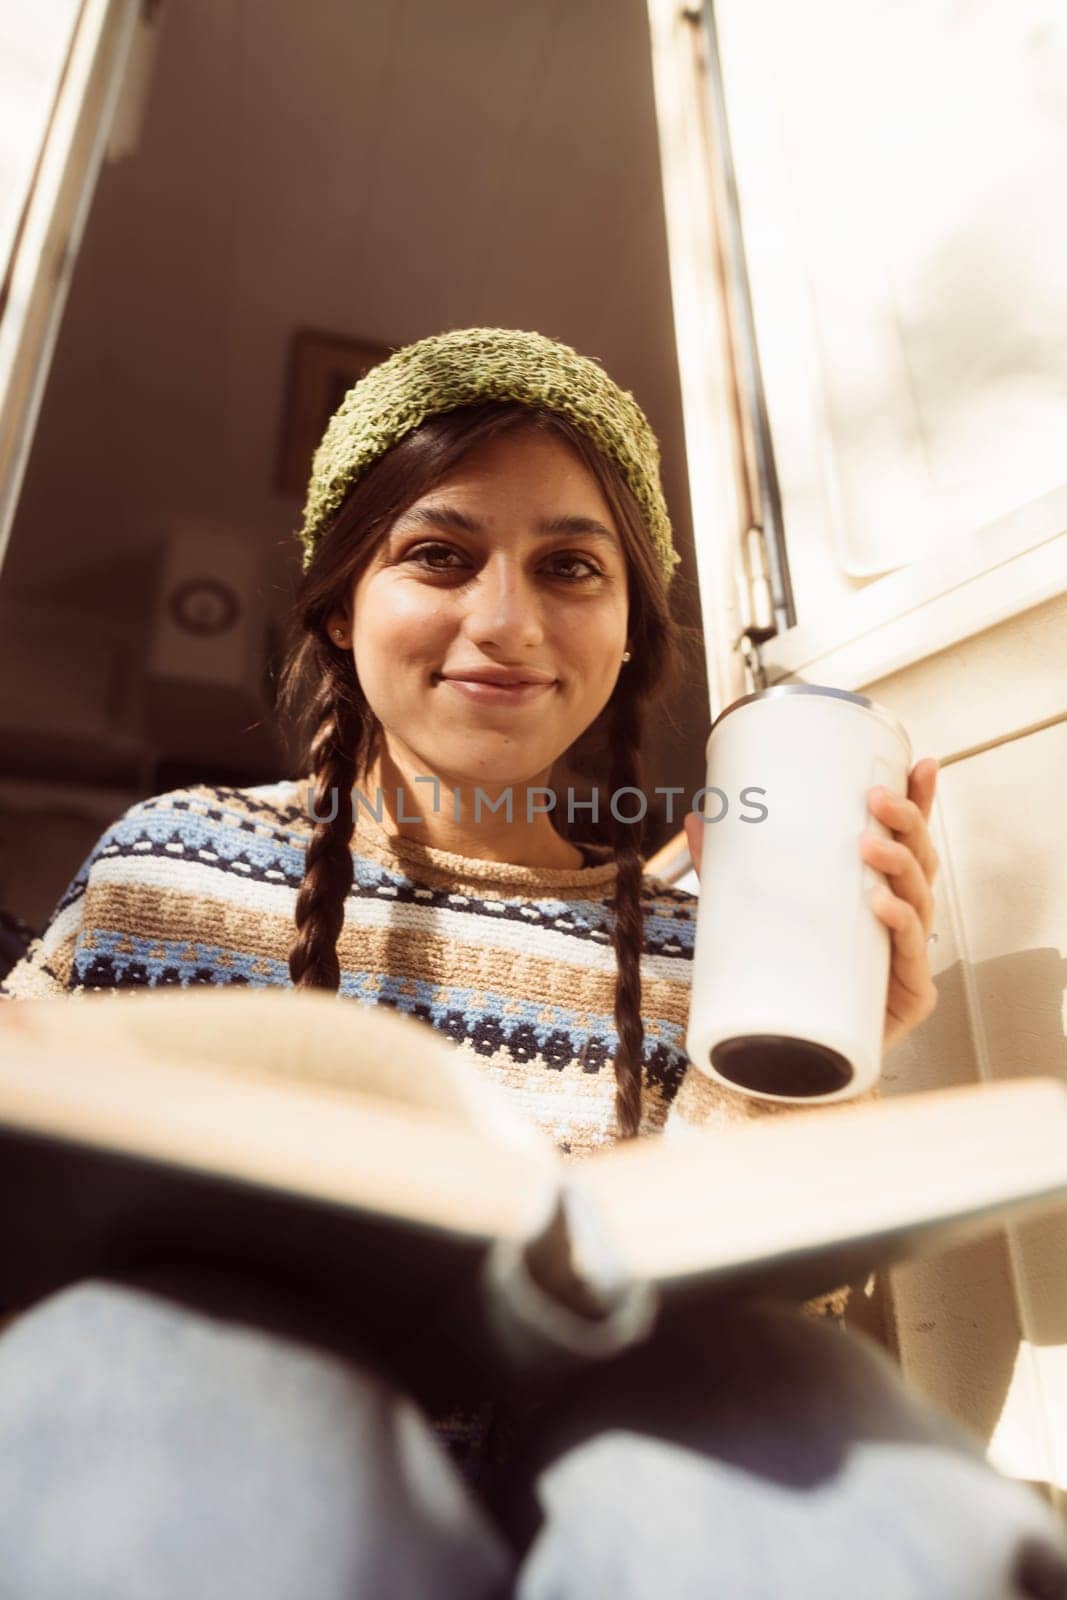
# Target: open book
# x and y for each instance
(370, 1178)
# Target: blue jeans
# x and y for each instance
(150, 1451)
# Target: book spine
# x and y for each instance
(562, 1299)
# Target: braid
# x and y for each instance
(335, 747)
(628, 932)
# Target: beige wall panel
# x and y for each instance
(997, 683)
(983, 1329)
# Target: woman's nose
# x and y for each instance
(505, 610)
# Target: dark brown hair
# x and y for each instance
(321, 695)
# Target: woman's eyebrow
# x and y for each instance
(445, 516)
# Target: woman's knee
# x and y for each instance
(632, 1514)
(166, 1440)
(777, 1454)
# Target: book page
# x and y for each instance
(790, 1186)
(298, 1036)
(204, 1083)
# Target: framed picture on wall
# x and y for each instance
(322, 368)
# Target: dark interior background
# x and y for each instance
(377, 173)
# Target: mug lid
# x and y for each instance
(781, 689)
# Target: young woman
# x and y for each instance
(488, 558)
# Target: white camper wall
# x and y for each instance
(983, 1329)
(895, 167)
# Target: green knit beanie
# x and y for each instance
(470, 364)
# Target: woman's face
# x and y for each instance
(489, 628)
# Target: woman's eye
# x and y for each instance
(435, 559)
(575, 568)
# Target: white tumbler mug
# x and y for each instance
(791, 965)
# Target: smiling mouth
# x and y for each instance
(512, 691)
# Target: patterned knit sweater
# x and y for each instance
(514, 964)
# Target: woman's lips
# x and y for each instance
(497, 694)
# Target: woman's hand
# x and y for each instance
(908, 859)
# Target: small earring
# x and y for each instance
(338, 633)
(626, 655)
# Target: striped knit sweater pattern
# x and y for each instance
(514, 964)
